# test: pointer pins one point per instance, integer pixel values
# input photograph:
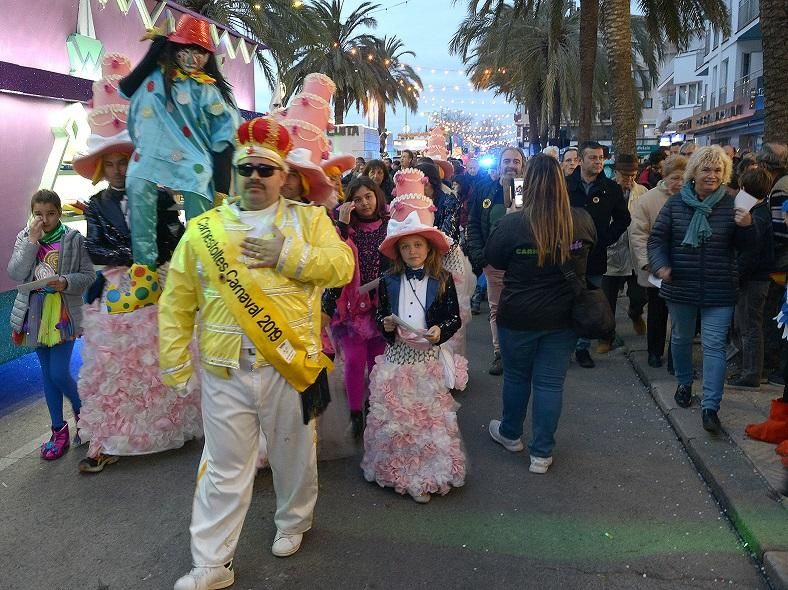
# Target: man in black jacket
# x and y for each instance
(487, 209)
(109, 237)
(591, 190)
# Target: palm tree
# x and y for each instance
(774, 22)
(395, 82)
(675, 21)
(337, 51)
(275, 24)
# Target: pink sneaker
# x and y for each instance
(57, 445)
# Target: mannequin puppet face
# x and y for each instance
(191, 58)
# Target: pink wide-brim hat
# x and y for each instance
(344, 162)
(98, 147)
(440, 241)
(321, 189)
(445, 167)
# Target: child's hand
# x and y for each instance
(58, 284)
(389, 325)
(36, 229)
(433, 335)
(345, 209)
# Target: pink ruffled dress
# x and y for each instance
(412, 441)
(126, 409)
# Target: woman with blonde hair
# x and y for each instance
(692, 249)
(644, 214)
(534, 312)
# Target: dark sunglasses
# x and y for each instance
(263, 170)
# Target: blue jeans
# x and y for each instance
(535, 361)
(714, 325)
(596, 280)
(58, 381)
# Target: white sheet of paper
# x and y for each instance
(407, 326)
(33, 285)
(744, 201)
(655, 281)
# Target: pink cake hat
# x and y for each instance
(306, 119)
(412, 213)
(107, 119)
(436, 149)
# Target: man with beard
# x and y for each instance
(255, 268)
(487, 209)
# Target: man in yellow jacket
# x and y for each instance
(255, 269)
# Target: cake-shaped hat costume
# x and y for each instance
(436, 149)
(306, 119)
(107, 120)
(412, 213)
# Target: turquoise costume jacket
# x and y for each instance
(174, 141)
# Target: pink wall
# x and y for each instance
(25, 137)
(25, 143)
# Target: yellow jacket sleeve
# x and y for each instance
(323, 259)
(177, 310)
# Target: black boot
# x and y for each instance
(496, 368)
(711, 421)
(683, 396)
(357, 422)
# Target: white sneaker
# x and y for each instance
(515, 446)
(285, 545)
(540, 464)
(207, 578)
(422, 499)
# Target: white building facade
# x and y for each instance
(713, 92)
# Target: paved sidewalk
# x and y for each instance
(745, 475)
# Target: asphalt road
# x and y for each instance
(622, 507)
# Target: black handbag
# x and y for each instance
(592, 317)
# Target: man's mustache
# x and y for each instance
(253, 184)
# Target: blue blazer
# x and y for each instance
(443, 311)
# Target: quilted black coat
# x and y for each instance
(705, 276)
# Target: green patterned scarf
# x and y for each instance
(54, 235)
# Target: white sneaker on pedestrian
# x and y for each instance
(515, 446)
(207, 578)
(540, 464)
(285, 545)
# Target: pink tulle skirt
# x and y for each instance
(411, 441)
(126, 409)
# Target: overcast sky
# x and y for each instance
(426, 26)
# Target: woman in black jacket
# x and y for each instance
(692, 248)
(534, 312)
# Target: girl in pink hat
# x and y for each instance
(412, 441)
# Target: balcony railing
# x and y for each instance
(748, 86)
(748, 12)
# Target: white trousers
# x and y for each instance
(235, 410)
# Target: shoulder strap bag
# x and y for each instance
(591, 314)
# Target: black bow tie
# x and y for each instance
(417, 274)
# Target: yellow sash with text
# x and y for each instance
(255, 312)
